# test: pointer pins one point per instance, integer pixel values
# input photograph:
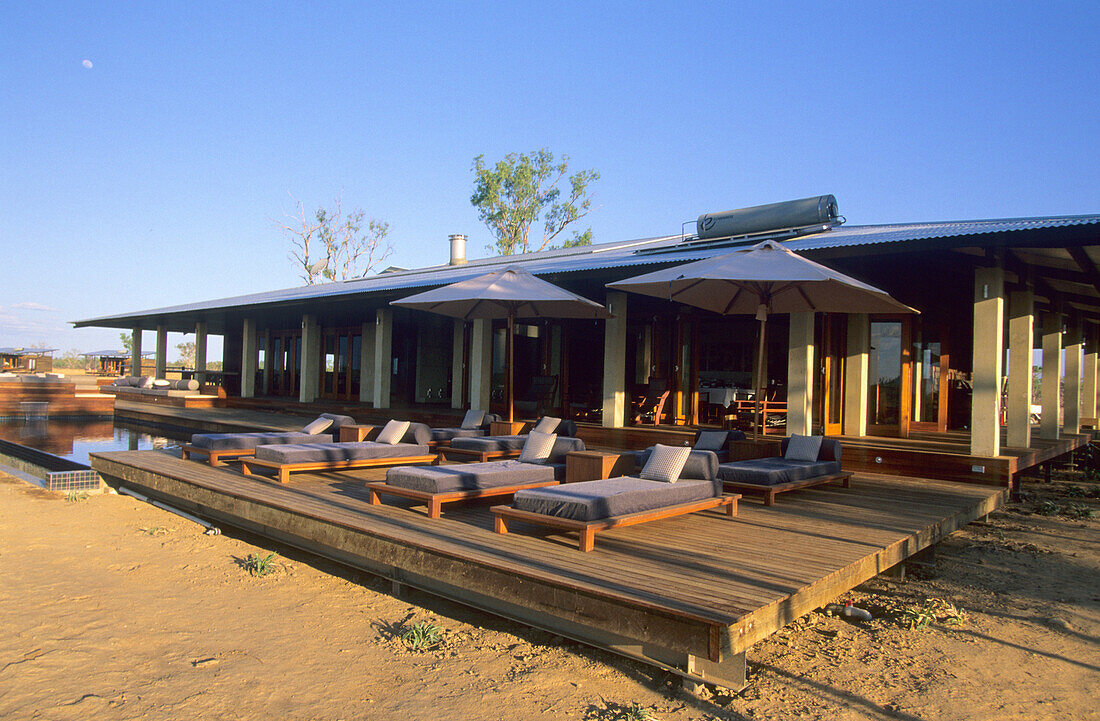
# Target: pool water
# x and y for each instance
(74, 439)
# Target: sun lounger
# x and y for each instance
(215, 446)
(594, 506)
(292, 458)
(437, 485)
(780, 474)
(488, 448)
(476, 423)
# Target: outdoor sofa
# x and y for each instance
(436, 485)
(717, 442)
(802, 463)
(592, 506)
(216, 446)
(409, 448)
(486, 448)
(150, 386)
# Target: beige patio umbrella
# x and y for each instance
(765, 278)
(510, 293)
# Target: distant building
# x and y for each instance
(26, 360)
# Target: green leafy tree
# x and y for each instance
(186, 353)
(521, 189)
(330, 245)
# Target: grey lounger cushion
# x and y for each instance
(595, 500)
(241, 441)
(468, 477)
(447, 434)
(488, 444)
(323, 452)
(775, 470)
(562, 446)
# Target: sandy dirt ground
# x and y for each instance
(113, 609)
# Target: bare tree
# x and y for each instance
(330, 245)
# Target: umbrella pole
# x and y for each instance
(511, 369)
(760, 382)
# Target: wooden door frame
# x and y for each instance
(905, 402)
(832, 337)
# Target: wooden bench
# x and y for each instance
(434, 501)
(283, 470)
(770, 492)
(214, 455)
(589, 529)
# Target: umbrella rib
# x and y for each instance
(726, 310)
(806, 298)
(685, 289)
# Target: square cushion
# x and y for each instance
(537, 448)
(547, 424)
(803, 448)
(473, 419)
(392, 432)
(665, 463)
(317, 426)
(711, 441)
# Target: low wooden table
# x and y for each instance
(597, 465)
(506, 428)
(354, 433)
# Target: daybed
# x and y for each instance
(149, 386)
(437, 485)
(408, 448)
(802, 464)
(487, 448)
(717, 442)
(216, 446)
(662, 491)
(475, 423)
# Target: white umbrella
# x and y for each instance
(766, 278)
(510, 293)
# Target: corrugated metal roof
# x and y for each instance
(646, 251)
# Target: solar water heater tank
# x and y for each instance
(773, 216)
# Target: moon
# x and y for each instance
(87, 64)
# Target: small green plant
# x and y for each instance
(1048, 508)
(156, 531)
(931, 611)
(1077, 510)
(1075, 492)
(422, 636)
(76, 497)
(617, 712)
(257, 565)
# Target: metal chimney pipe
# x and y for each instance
(458, 249)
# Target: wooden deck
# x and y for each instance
(690, 594)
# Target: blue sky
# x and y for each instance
(155, 176)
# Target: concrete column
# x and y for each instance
(366, 364)
(250, 358)
(1088, 384)
(458, 364)
(265, 373)
(614, 362)
(1051, 424)
(988, 362)
(1021, 342)
(383, 357)
(800, 374)
(200, 352)
(1075, 348)
(161, 358)
(310, 382)
(135, 352)
(857, 364)
(481, 363)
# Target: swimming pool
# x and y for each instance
(74, 438)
